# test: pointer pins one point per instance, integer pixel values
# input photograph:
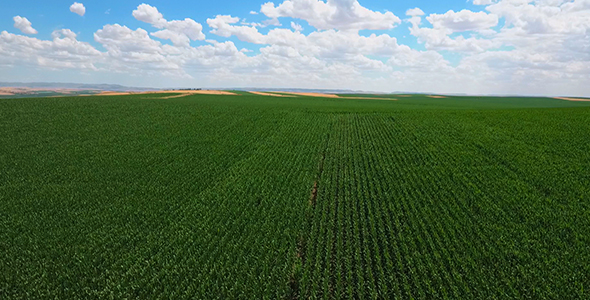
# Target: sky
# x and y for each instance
(524, 47)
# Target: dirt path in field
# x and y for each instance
(300, 251)
(436, 97)
(271, 94)
(572, 99)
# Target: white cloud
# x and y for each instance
(179, 32)
(253, 12)
(62, 52)
(296, 26)
(271, 22)
(149, 14)
(222, 26)
(414, 12)
(546, 18)
(443, 25)
(78, 8)
(333, 14)
(464, 20)
(65, 33)
(24, 25)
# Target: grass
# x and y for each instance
(209, 197)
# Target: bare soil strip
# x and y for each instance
(185, 92)
(572, 99)
(436, 97)
(271, 94)
(368, 98)
(334, 96)
(170, 97)
(5, 94)
(312, 94)
(113, 93)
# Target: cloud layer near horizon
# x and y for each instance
(513, 46)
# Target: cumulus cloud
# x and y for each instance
(544, 18)
(296, 26)
(333, 14)
(62, 52)
(24, 25)
(414, 12)
(443, 25)
(464, 20)
(78, 8)
(149, 14)
(179, 32)
(223, 26)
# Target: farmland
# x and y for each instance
(252, 196)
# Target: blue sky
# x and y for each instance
(498, 46)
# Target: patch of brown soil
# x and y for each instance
(436, 97)
(312, 94)
(572, 99)
(314, 194)
(271, 94)
(5, 94)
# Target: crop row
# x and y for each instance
(430, 209)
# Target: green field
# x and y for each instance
(250, 197)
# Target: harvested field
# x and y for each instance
(203, 92)
(271, 94)
(312, 94)
(186, 92)
(114, 93)
(336, 96)
(23, 90)
(572, 99)
(173, 96)
(437, 97)
(368, 98)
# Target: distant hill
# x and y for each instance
(296, 90)
(118, 87)
(77, 86)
